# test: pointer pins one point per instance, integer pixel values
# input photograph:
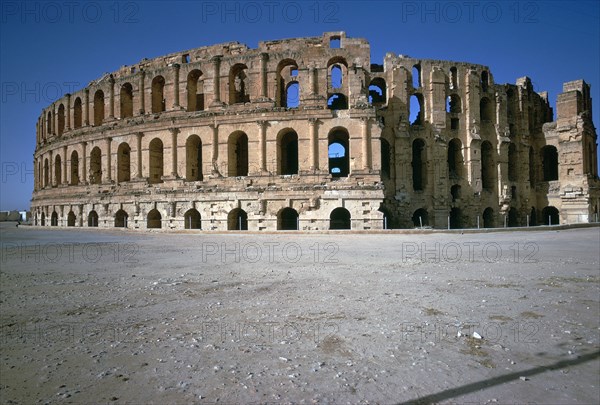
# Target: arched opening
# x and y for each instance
(192, 219)
(158, 97)
(77, 114)
(46, 172)
(154, 220)
(292, 95)
(195, 91)
(49, 123)
(486, 110)
(513, 168)
(419, 164)
(420, 218)
(533, 217)
(453, 78)
(43, 219)
(54, 219)
(96, 166)
(74, 168)
(61, 119)
(71, 219)
(126, 96)
(532, 176)
(336, 77)
(513, 217)
(287, 219)
(121, 218)
(550, 216)
(488, 218)
(385, 159)
(287, 153)
(156, 161)
(237, 220)
(416, 76)
(377, 91)
(98, 107)
(455, 159)
(487, 166)
(193, 158)
(57, 170)
(288, 95)
(388, 220)
(123, 162)
(484, 80)
(239, 84)
(550, 163)
(337, 101)
(93, 219)
(339, 153)
(455, 218)
(455, 192)
(340, 219)
(238, 154)
(416, 109)
(453, 104)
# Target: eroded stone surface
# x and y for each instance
(228, 137)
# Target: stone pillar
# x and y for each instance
(54, 121)
(68, 112)
(84, 179)
(51, 170)
(262, 146)
(263, 75)
(312, 80)
(86, 118)
(142, 92)
(176, 67)
(139, 136)
(314, 143)
(216, 81)
(64, 169)
(108, 170)
(112, 98)
(174, 132)
(366, 153)
(215, 149)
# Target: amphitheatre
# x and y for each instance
(309, 134)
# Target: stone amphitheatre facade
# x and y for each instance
(308, 134)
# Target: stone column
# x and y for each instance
(139, 136)
(215, 149)
(86, 118)
(64, 171)
(112, 98)
(107, 172)
(216, 81)
(84, 179)
(366, 159)
(262, 146)
(263, 75)
(68, 112)
(142, 93)
(174, 132)
(314, 143)
(176, 67)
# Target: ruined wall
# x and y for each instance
(297, 134)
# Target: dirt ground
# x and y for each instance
(107, 316)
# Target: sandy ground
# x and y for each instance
(129, 317)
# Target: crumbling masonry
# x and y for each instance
(307, 134)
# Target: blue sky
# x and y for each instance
(49, 48)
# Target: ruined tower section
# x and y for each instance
(308, 134)
(569, 156)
